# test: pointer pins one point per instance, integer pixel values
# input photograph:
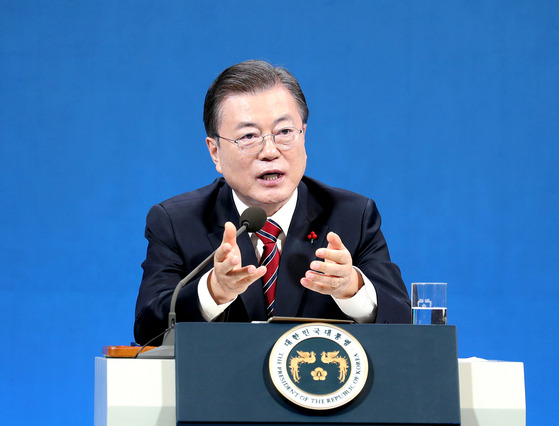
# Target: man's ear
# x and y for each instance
(213, 148)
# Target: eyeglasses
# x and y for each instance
(253, 143)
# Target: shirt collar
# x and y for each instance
(282, 217)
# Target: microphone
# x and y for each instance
(252, 220)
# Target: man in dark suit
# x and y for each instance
(333, 259)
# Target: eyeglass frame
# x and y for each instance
(263, 138)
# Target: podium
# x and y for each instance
(222, 377)
(141, 392)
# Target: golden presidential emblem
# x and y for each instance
(318, 366)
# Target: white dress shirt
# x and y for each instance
(362, 307)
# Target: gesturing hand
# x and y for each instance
(335, 275)
(228, 278)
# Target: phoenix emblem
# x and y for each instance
(303, 358)
(333, 358)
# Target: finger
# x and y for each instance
(225, 288)
(331, 281)
(329, 268)
(236, 281)
(235, 275)
(333, 285)
(230, 234)
(321, 287)
(251, 275)
(222, 252)
(228, 263)
(228, 243)
(334, 241)
(340, 256)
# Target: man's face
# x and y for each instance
(266, 179)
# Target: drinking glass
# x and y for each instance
(428, 303)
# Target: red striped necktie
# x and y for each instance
(270, 259)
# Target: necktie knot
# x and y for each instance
(269, 232)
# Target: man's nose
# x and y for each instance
(269, 148)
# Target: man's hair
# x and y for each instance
(249, 77)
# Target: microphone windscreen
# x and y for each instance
(254, 218)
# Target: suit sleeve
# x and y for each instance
(373, 259)
(163, 268)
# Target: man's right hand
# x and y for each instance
(228, 279)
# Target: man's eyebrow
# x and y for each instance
(286, 117)
(278, 120)
(244, 124)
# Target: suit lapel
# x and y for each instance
(253, 297)
(298, 252)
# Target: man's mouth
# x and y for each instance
(270, 176)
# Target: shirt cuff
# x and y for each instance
(209, 309)
(363, 306)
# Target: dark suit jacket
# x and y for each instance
(185, 229)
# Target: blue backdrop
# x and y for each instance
(444, 112)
